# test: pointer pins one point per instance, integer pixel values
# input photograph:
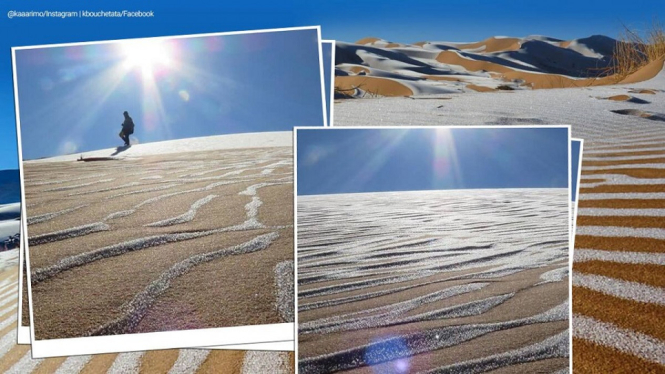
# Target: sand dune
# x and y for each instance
(493, 44)
(386, 279)
(533, 62)
(618, 288)
(17, 358)
(154, 228)
(374, 86)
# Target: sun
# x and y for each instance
(146, 55)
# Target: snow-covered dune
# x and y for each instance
(8, 228)
(10, 211)
(620, 284)
(18, 359)
(156, 223)
(208, 143)
(407, 279)
(374, 67)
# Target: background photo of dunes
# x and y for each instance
(374, 67)
(18, 359)
(219, 206)
(422, 250)
(610, 90)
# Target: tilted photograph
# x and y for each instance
(598, 67)
(433, 249)
(158, 187)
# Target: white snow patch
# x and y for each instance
(624, 340)
(209, 143)
(189, 361)
(620, 288)
(582, 255)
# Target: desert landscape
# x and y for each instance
(373, 67)
(18, 358)
(618, 279)
(143, 230)
(441, 281)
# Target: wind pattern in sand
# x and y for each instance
(160, 242)
(618, 277)
(619, 271)
(17, 359)
(433, 281)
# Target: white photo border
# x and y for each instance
(571, 234)
(235, 337)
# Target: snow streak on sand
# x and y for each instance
(556, 346)
(284, 278)
(128, 362)
(624, 340)
(135, 310)
(221, 199)
(619, 288)
(25, 365)
(619, 225)
(18, 359)
(185, 217)
(265, 362)
(62, 228)
(375, 68)
(189, 361)
(379, 264)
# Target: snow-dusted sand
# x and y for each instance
(10, 215)
(176, 235)
(433, 280)
(375, 67)
(18, 358)
(620, 240)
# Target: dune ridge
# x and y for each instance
(374, 67)
(404, 278)
(619, 243)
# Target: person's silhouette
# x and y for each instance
(127, 128)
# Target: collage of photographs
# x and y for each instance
(247, 195)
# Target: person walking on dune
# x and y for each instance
(127, 128)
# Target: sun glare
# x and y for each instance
(445, 164)
(146, 54)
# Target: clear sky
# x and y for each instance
(326, 53)
(452, 20)
(340, 160)
(574, 166)
(473, 20)
(72, 98)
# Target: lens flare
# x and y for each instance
(68, 147)
(445, 165)
(390, 355)
(146, 55)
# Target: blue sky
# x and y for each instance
(473, 20)
(575, 148)
(453, 20)
(342, 160)
(72, 98)
(326, 56)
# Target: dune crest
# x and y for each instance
(508, 63)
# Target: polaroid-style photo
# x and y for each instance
(432, 248)
(157, 187)
(328, 62)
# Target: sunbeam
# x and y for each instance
(147, 55)
(445, 166)
(171, 87)
(383, 146)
